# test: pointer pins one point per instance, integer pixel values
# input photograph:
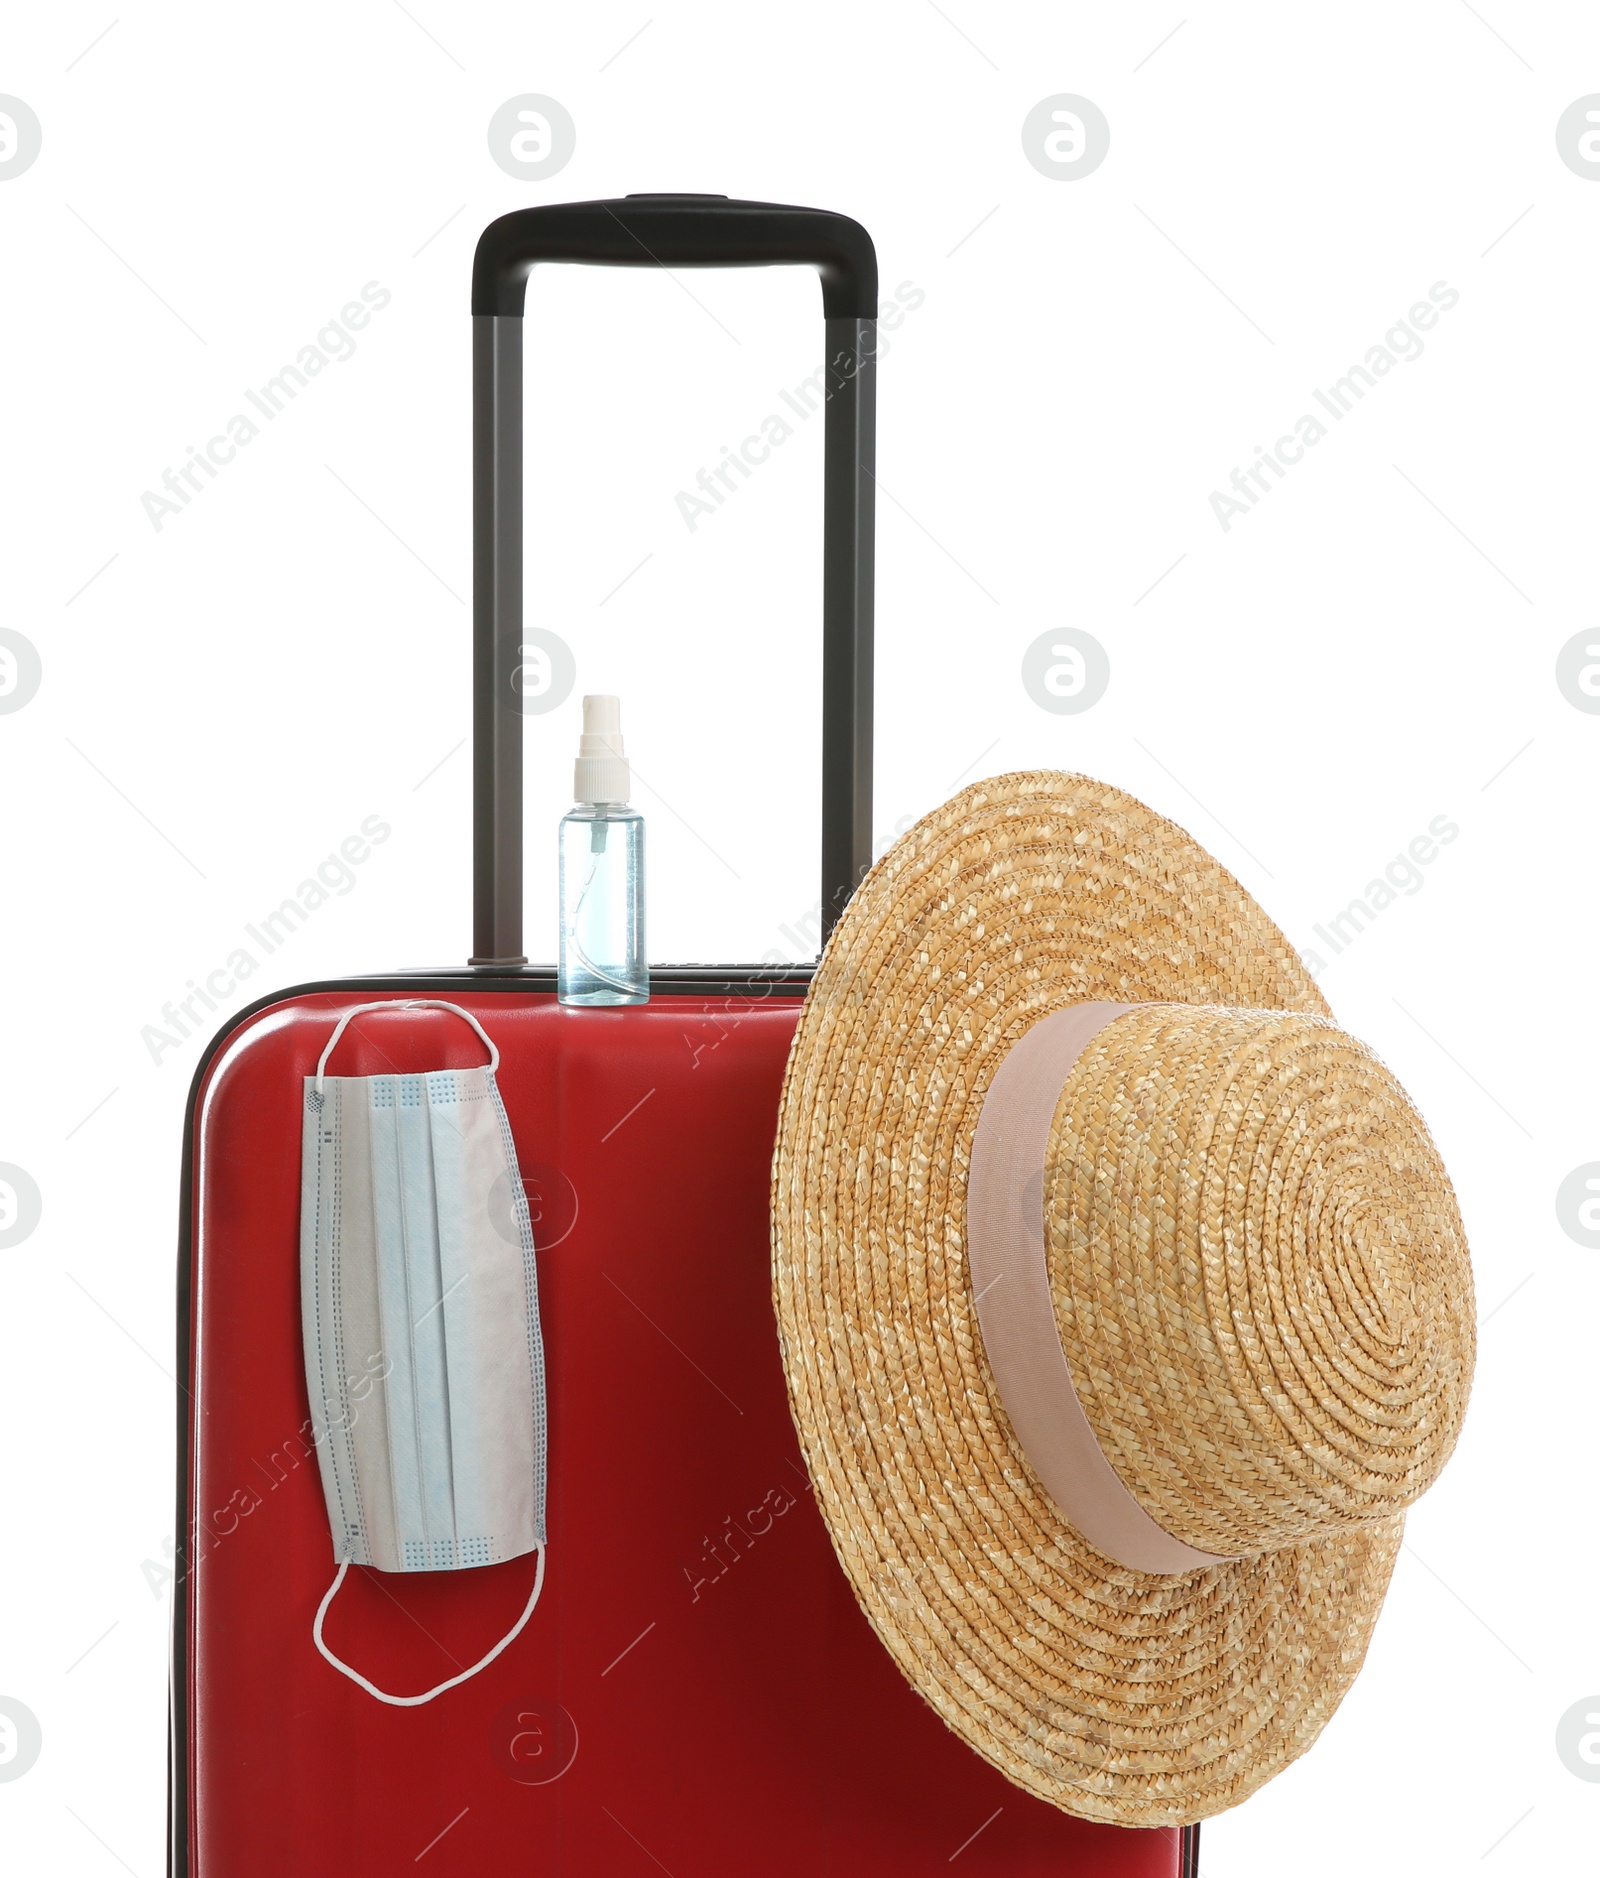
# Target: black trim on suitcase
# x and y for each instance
(1189, 1866)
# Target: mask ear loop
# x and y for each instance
(406, 1004)
(416, 1701)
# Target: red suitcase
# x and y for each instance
(697, 1691)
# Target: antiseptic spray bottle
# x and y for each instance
(602, 871)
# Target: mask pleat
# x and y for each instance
(395, 1308)
(458, 1212)
(419, 1203)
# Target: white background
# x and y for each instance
(1371, 647)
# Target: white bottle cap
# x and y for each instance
(601, 772)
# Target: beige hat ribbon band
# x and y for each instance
(1011, 1289)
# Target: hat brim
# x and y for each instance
(1115, 1695)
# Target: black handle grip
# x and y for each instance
(677, 231)
(668, 231)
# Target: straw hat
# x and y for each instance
(1124, 1301)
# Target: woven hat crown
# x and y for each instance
(1259, 1274)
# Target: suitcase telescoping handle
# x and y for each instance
(668, 231)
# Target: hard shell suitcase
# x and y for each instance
(698, 1691)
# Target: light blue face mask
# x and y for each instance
(420, 1313)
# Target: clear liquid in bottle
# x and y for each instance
(602, 906)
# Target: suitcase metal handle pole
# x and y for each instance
(668, 231)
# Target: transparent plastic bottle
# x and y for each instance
(602, 872)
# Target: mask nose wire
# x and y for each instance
(406, 1004)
